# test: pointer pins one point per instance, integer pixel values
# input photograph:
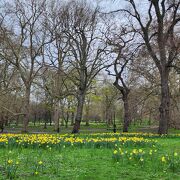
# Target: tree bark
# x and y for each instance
(79, 112)
(2, 122)
(87, 111)
(164, 108)
(67, 119)
(87, 117)
(26, 110)
(56, 116)
(125, 93)
(72, 118)
(150, 117)
(50, 118)
(126, 112)
(35, 118)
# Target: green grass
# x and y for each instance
(83, 163)
(93, 128)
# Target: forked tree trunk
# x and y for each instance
(125, 93)
(164, 108)
(26, 110)
(79, 112)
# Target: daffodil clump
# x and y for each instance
(93, 140)
(141, 156)
(11, 167)
(137, 134)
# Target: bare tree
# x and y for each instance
(81, 24)
(109, 97)
(25, 42)
(159, 33)
(122, 49)
(56, 53)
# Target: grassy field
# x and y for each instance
(105, 156)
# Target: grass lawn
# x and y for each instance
(127, 159)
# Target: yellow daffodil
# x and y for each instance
(115, 151)
(10, 161)
(163, 159)
(40, 162)
(134, 151)
(140, 150)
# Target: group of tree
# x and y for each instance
(54, 56)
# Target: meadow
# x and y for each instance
(105, 156)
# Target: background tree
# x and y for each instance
(24, 46)
(81, 25)
(158, 32)
(122, 50)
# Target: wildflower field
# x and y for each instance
(90, 156)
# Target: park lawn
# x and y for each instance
(91, 163)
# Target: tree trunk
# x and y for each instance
(56, 116)
(35, 118)
(67, 119)
(26, 110)
(150, 117)
(87, 121)
(165, 103)
(2, 123)
(87, 117)
(50, 118)
(45, 125)
(17, 120)
(125, 93)
(108, 119)
(126, 113)
(79, 112)
(62, 121)
(87, 111)
(45, 120)
(72, 118)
